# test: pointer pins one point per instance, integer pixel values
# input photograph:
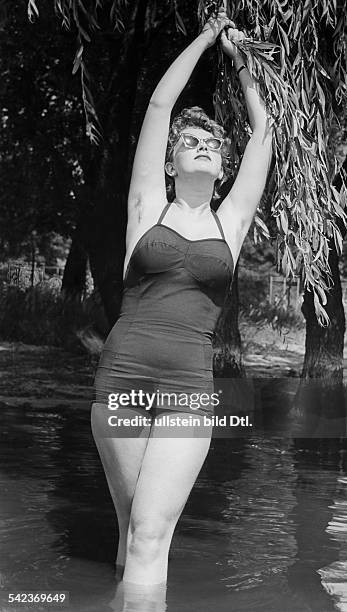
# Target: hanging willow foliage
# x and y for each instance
(301, 77)
(288, 60)
(83, 16)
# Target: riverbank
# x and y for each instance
(47, 375)
(269, 353)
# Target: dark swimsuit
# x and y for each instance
(174, 290)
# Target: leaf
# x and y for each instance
(262, 225)
(322, 70)
(284, 262)
(321, 314)
(180, 23)
(284, 221)
(33, 11)
(322, 295)
(284, 38)
(78, 59)
(305, 101)
(338, 241)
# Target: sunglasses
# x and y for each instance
(212, 142)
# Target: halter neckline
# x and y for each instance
(215, 216)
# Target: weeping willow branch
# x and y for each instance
(93, 129)
(83, 16)
(299, 93)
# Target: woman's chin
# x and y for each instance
(201, 172)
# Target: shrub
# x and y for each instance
(39, 315)
(256, 307)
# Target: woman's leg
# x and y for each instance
(168, 472)
(121, 458)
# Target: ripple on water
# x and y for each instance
(334, 576)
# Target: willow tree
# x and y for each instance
(295, 50)
(325, 344)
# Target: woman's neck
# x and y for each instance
(194, 195)
(200, 208)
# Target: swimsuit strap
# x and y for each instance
(218, 223)
(163, 213)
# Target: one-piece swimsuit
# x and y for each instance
(174, 290)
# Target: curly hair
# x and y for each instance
(195, 116)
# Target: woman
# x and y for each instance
(178, 268)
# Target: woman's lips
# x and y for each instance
(203, 155)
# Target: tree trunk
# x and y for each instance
(74, 278)
(324, 345)
(321, 391)
(228, 357)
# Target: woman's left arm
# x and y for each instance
(238, 208)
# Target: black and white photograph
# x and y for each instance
(173, 289)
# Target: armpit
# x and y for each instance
(135, 208)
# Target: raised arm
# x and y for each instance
(238, 208)
(147, 193)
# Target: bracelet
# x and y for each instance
(241, 68)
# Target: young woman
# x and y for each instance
(178, 269)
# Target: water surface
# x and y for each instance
(265, 528)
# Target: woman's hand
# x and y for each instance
(214, 26)
(229, 40)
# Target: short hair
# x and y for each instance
(195, 116)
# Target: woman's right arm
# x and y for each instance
(147, 193)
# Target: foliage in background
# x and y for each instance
(39, 315)
(282, 313)
(41, 135)
(261, 312)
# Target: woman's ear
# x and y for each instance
(170, 169)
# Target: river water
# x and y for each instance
(265, 527)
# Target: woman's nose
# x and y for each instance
(202, 145)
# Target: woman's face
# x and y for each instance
(199, 159)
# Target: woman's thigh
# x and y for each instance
(169, 469)
(121, 457)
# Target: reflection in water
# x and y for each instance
(258, 511)
(315, 465)
(265, 528)
(334, 576)
(131, 597)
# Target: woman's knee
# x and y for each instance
(147, 539)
